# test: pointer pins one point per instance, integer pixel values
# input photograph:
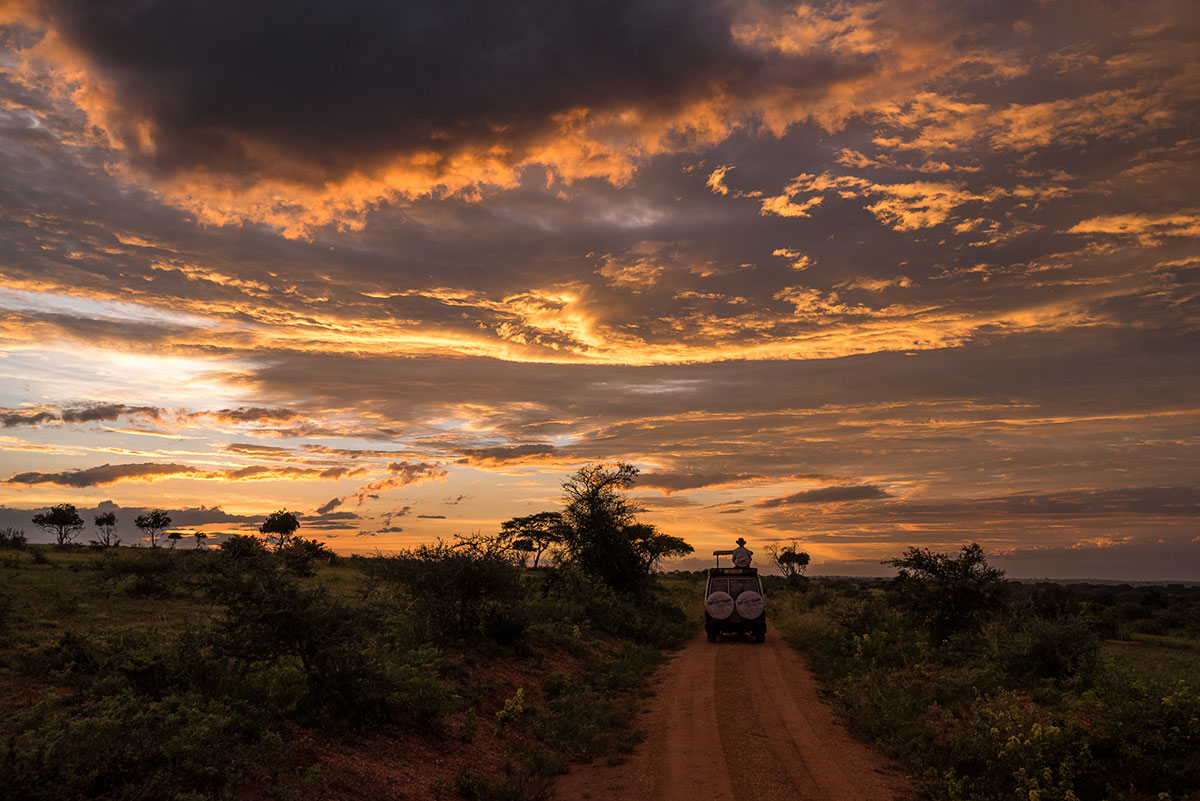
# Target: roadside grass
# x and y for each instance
(1161, 658)
(135, 673)
(1037, 706)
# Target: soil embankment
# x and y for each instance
(739, 720)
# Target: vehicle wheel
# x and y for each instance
(760, 636)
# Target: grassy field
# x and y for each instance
(1158, 657)
(152, 674)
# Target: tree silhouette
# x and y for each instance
(652, 545)
(279, 528)
(541, 531)
(200, 538)
(791, 561)
(153, 524)
(601, 533)
(63, 521)
(106, 530)
(949, 594)
(174, 537)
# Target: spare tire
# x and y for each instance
(749, 605)
(719, 605)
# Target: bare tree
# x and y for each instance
(106, 525)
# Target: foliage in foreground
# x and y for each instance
(285, 643)
(1016, 705)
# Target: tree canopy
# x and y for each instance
(541, 531)
(63, 521)
(279, 528)
(949, 594)
(601, 532)
(106, 524)
(791, 561)
(153, 524)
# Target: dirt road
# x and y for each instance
(738, 715)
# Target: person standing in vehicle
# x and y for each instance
(741, 554)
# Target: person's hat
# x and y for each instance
(741, 540)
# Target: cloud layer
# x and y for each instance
(862, 274)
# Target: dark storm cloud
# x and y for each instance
(675, 481)
(1117, 502)
(13, 419)
(329, 505)
(346, 84)
(252, 414)
(107, 411)
(104, 474)
(827, 495)
(503, 454)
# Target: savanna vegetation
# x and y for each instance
(268, 667)
(983, 688)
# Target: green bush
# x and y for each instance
(125, 747)
(466, 589)
(1059, 648)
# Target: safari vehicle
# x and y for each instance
(733, 603)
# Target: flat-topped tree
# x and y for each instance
(540, 531)
(153, 524)
(279, 528)
(63, 521)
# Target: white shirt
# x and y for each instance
(741, 556)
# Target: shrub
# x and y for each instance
(300, 555)
(948, 595)
(243, 546)
(124, 746)
(1059, 649)
(466, 589)
(12, 538)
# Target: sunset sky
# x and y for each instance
(863, 275)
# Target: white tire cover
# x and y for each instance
(719, 605)
(749, 605)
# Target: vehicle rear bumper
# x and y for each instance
(757, 626)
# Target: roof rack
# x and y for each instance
(719, 554)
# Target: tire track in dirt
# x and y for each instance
(739, 714)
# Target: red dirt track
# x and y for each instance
(776, 740)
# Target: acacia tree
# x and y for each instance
(63, 521)
(652, 545)
(791, 561)
(542, 531)
(106, 525)
(601, 533)
(279, 528)
(200, 538)
(153, 524)
(174, 537)
(950, 595)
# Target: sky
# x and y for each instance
(860, 275)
